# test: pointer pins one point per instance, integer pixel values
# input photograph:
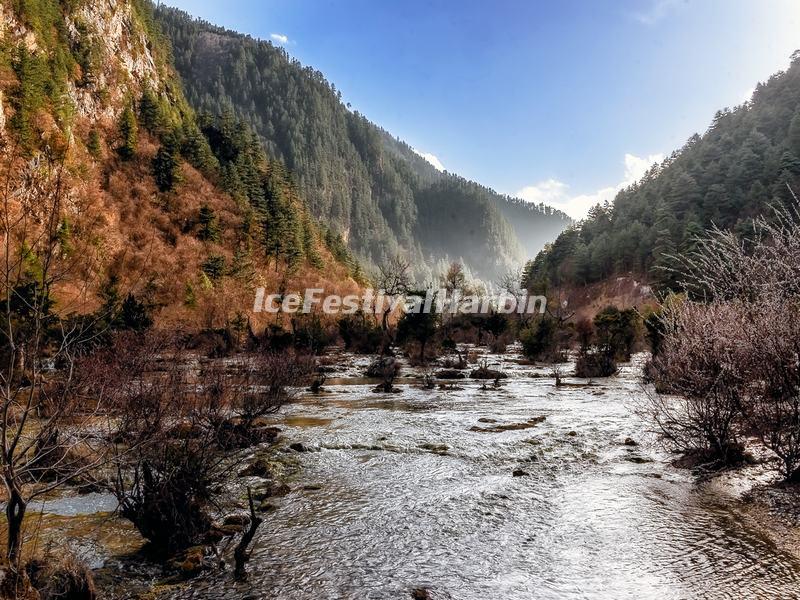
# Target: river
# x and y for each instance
(418, 490)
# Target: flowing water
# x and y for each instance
(417, 490)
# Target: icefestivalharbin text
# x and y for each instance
(431, 301)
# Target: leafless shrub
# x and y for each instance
(387, 369)
(730, 366)
(175, 427)
(249, 388)
(766, 263)
(698, 371)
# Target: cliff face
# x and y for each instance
(124, 62)
(109, 56)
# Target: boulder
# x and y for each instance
(259, 468)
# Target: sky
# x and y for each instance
(562, 101)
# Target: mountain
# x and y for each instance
(745, 162)
(178, 215)
(371, 187)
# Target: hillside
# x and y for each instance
(186, 215)
(371, 187)
(745, 162)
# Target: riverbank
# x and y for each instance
(776, 509)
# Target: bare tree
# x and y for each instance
(393, 281)
(249, 388)
(241, 554)
(45, 428)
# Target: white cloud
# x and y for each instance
(636, 167)
(556, 193)
(431, 158)
(657, 10)
(549, 191)
(279, 37)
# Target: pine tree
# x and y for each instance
(214, 267)
(166, 165)
(129, 131)
(794, 132)
(310, 244)
(134, 315)
(93, 144)
(209, 225)
(197, 151)
(150, 113)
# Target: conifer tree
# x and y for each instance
(166, 165)
(129, 132)
(209, 225)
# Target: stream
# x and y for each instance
(418, 490)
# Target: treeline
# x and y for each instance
(366, 184)
(740, 166)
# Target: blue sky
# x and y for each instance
(561, 101)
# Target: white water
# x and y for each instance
(592, 519)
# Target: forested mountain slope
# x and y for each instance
(745, 162)
(369, 186)
(186, 215)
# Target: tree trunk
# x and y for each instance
(241, 554)
(15, 513)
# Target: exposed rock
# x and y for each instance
(450, 387)
(520, 473)
(240, 520)
(630, 442)
(259, 468)
(233, 434)
(299, 447)
(435, 448)
(271, 490)
(510, 426)
(191, 561)
(638, 459)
